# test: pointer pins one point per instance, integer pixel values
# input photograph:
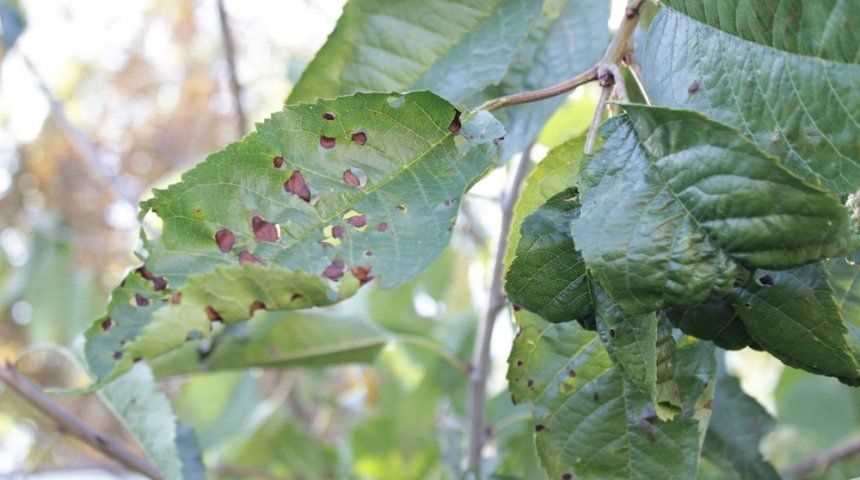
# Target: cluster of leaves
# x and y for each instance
(718, 211)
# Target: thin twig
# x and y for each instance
(230, 53)
(86, 148)
(824, 460)
(481, 353)
(69, 423)
(566, 86)
(591, 136)
(436, 348)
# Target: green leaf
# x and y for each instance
(785, 73)
(811, 332)
(217, 406)
(674, 202)
(565, 39)
(548, 275)
(278, 339)
(716, 320)
(555, 173)
(738, 425)
(455, 49)
(147, 414)
(593, 424)
(319, 199)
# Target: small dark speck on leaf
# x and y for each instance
(225, 239)
(357, 221)
(213, 314)
(567, 476)
(539, 428)
(117, 355)
(107, 323)
(530, 383)
(455, 124)
(612, 332)
(368, 253)
(571, 373)
(362, 274)
(327, 142)
(264, 231)
(137, 359)
(248, 257)
(765, 280)
(596, 397)
(328, 116)
(335, 270)
(256, 305)
(296, 296)
(158, 283)
(359, 138)
(297, 186)
(382, 227)
(694, 87)
(140, 300)
(278, 161)
(517, 307)
(519, 363)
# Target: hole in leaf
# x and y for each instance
(455, 124)
(328, 116)
(213, 314)
(395, 101)
(335, 270)
(225, 240)
(256, 305)
(278, 161)
(140, 300)
(248, 257)
(362, 274)
(765, 280)
(694, 87)
(297, 186)
(327, 142)
(107, 324)
(360, 138)
(264, 231)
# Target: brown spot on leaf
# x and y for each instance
(213, 314)
(328, 116)
(117, 355)
(357, 221)
(351, 179)
(256, 305)
(337, 231)
(158, 283)
(327, 142)
(140, 300)
(264, 231)
(517, 307)
(455, 124)
(107, 324)
(335, 270)
(176, 298)
(359, 138)
(519, 363)
(362, 274)
(694, 87)
(225, 240)
(297, 186)
(382, 227)
(248, 257)
(278, 161)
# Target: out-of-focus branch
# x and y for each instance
(72, 425)
(481, 352)
(824, 460)
(86, 148)
(230, 53)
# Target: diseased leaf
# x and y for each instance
(455, 49)
(277, 339)
(566, 38)
(793, 315)
(298, 214)
(738, 425)
(147, 414)
(784, 73)
(592, 424)
(548, 275)
(674, 202)
(716, 320)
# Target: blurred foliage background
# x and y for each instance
(99, 102)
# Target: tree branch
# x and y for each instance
(230, 53)
(566, 86)
(824, 460)
(481, 352)
(69, 423)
